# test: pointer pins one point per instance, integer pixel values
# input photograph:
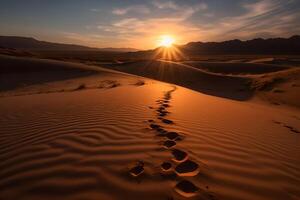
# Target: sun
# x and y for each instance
(166, 41)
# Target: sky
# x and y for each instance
(140, 23)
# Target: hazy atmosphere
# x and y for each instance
(139, 24)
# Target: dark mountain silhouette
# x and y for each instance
(272, 46)
(31, 44)
(256, 46)
(23, 45)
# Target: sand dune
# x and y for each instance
(16, 72)
(237, 67)
(238, 81)
(110, 144)
(184, 75)
(281, 87)
(23, 75)
(109, 135)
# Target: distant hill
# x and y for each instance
(31, 44)
(256, 46)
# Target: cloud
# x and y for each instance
(174, 6)
(141, 9)
(262, 18)
(167, 18)
(165, 5)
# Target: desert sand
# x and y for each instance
(97, 133)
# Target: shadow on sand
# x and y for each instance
(231, 87)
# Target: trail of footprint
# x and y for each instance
(184, 167)
(292, 129)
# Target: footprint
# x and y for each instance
(161, 132)
(187, 168)
(161, 108)
(172, 135)
(167, 97)
(80, 87)
(166, 166)
(167, 121)
(179, 156)
(139, 83)
(292, 129)
(295, 131)
(109, 84)
(162, 114)
(155, 126)
(138, 169)
(165, 105)
(169, 143)
(276, 122)
(186, 188)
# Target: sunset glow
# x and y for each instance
(166, 41)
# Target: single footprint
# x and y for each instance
(186, 188)
(172, 135)
(162, 114)
(167, 121)
(277, 122)
(166, 166)
(295, 131)
(161, 130)
(292, 129)
(167, 98)
(179, 156)
(165, 105)
(169, 143)
(139, 83)
(109, 84)
(138, 169)
(155, 126)
(161, 108)
(80, 87)
(187, 168)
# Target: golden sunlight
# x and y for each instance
(166, 41)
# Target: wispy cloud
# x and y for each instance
(259, 18)
(265, 17)
(134, 9)
(165, 5)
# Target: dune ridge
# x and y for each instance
(84, 144)
(110, 135)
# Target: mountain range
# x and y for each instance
(255, 46)
(31, 44)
